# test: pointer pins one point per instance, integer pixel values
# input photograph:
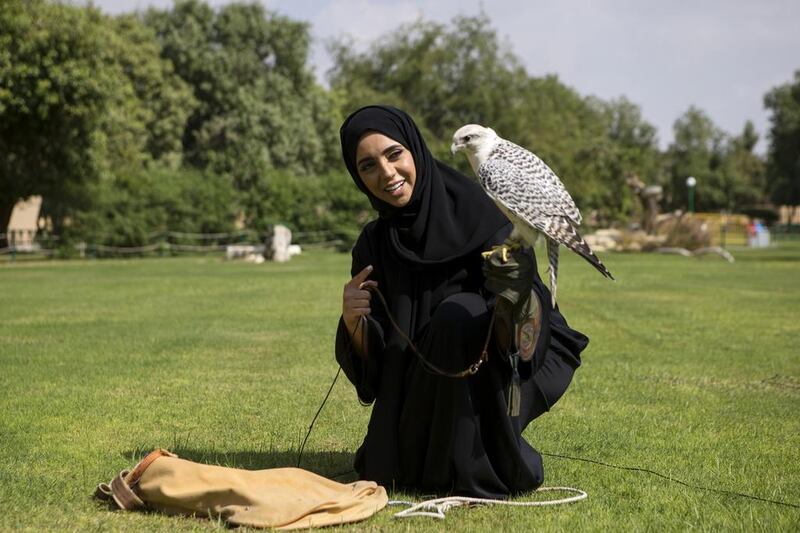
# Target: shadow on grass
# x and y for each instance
(336, 465)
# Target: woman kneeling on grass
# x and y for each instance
(428, 432)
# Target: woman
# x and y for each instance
(423, 252)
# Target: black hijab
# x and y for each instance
(448, 215)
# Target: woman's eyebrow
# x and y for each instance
(392, 147)
(363, 160)
(384, 152)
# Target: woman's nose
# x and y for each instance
(386, 169)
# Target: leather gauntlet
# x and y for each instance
(518, 322)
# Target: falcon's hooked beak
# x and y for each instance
(454, 148)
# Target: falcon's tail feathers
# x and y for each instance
(584, 251)
(577, 244)
(552, 258)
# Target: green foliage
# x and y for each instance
(80, 94)
(784, 150)
(91, 106)
(329, 204)
(154, 104)
(448, 76)
(626, 145)
(134, 203)
(444, 77)
(54, 87)
(745, 185)
(729, 174)
(259, 106)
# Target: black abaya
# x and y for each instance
(428, 432)
(448, 435)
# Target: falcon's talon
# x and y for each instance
(502, 249)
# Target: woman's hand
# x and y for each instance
(356, 298)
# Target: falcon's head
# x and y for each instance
(475, 141)
(471, 138)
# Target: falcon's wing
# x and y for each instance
(537, 170)
(535, 204)
(524, 195)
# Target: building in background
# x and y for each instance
(24, 224)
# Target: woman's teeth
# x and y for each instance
(394, 187)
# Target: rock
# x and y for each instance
(653, 242)
(241, 251)
(599, 243)
(276, 246)
(609, 233)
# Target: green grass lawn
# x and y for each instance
(693, 370)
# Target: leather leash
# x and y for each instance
(469, 371)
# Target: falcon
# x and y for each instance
(528, 192)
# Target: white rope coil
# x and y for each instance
(438, 507)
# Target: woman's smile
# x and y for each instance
(395, 187)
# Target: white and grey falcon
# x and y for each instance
(528, 192)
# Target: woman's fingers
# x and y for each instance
(361, 293)
(369, 283)
(357, 296)
(361, 277)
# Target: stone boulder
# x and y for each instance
(278, 243)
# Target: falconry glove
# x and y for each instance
(510, 274)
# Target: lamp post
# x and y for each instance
(690, 183)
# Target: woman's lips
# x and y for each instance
(395, 188)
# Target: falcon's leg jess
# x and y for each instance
(552, 256)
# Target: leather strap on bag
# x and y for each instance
(121, 489)
(123, 494)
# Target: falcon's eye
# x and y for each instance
(467, 138)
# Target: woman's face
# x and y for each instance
(386, 167)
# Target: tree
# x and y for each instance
(729, 174)
(450, 75)
(744, 171)
(81, 95)
(443, 76)
(259, 106)
(53, 89)
(626, 146)
(149, 114)
(783, 159)
(698, 150)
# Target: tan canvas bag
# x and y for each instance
(282, 498)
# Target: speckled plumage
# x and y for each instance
(528, 192)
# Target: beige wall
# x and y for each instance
(789, 213)
(24, 222)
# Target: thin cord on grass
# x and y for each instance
(324, 401)
(674, 480)
(302, 446)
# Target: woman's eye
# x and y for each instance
(366, 167)
(395, 155)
